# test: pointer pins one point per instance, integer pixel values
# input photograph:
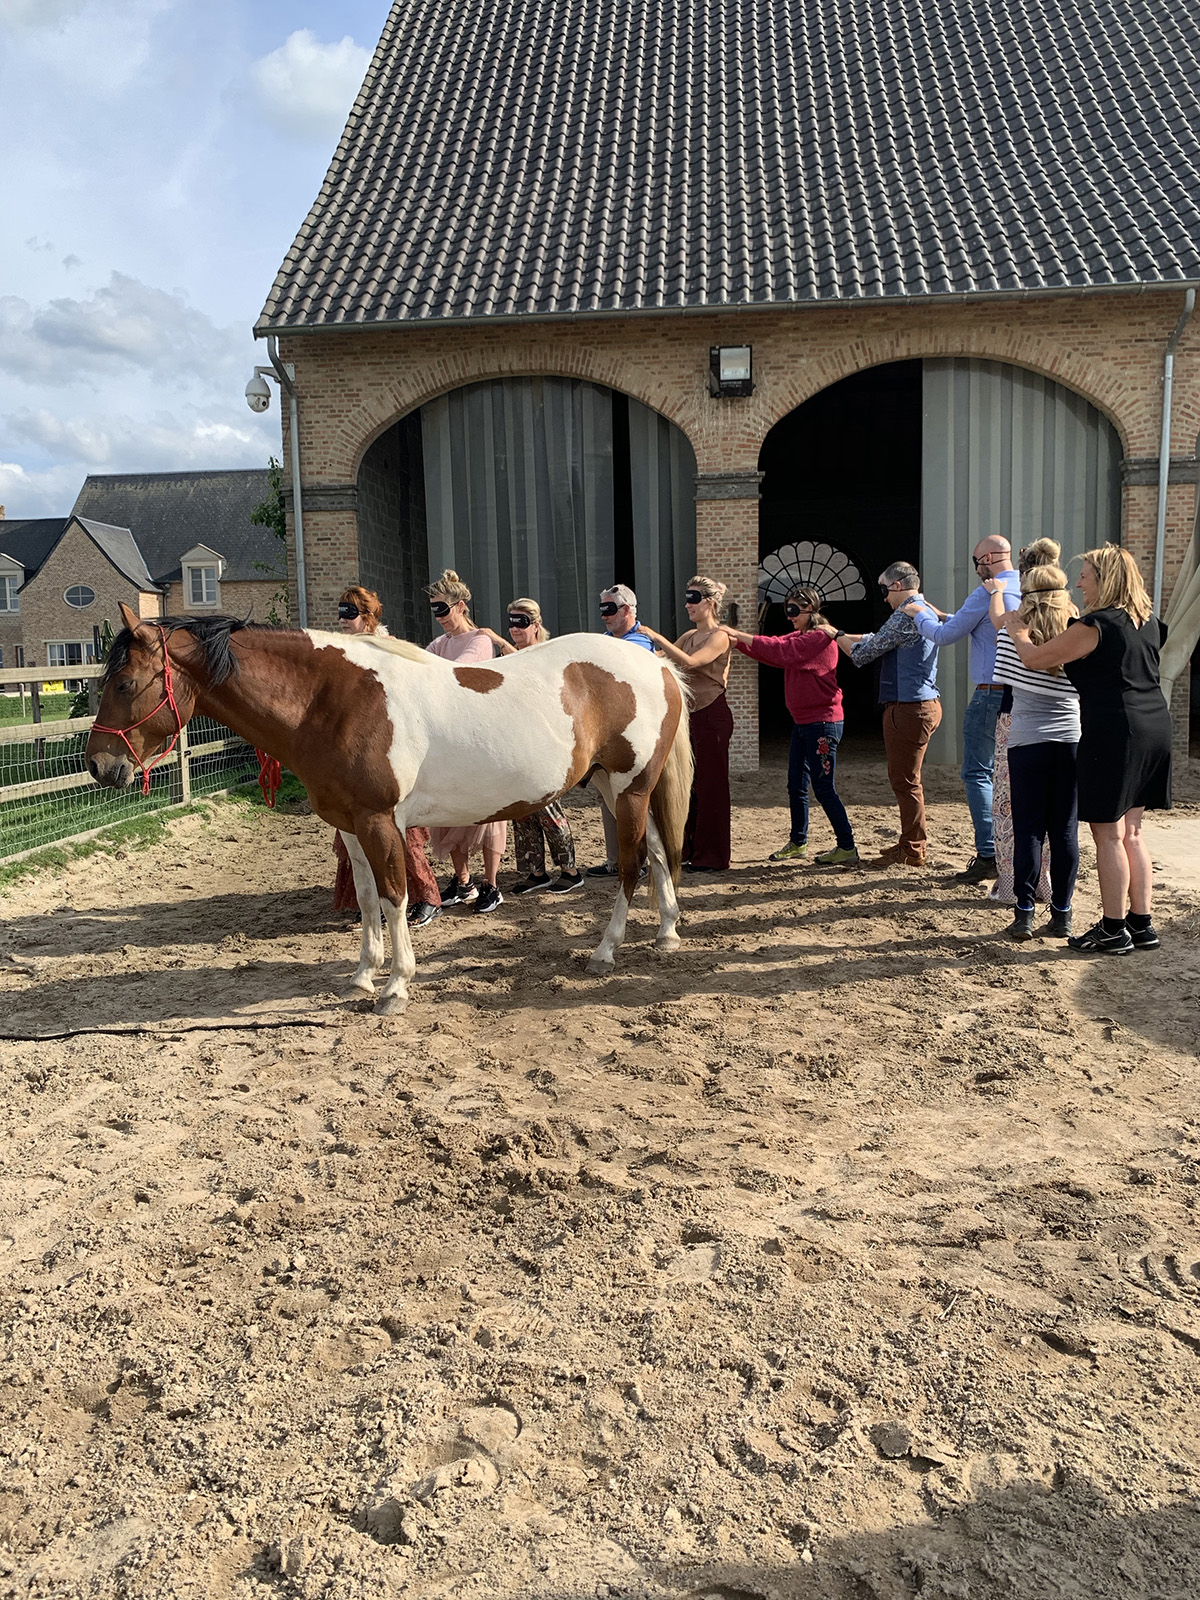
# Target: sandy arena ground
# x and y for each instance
(849, 1254)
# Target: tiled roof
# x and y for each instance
(119, 545)
(169, 512)
(29, 540)
(558, 157)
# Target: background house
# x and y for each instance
(164, 543)
(950, 244)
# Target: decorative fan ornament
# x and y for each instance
(831, 572)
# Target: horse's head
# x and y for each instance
(144, 703)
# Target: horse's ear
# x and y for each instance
(130, 618)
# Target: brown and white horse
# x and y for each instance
(384, 735)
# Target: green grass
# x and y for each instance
(55, 708)
(138, 831)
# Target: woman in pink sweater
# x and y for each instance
(808, 656)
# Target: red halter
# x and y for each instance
(168, 699)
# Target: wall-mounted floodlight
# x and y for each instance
(729, 371)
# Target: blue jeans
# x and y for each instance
(979, 761)
(814, 757)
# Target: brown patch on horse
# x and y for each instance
(601, 707)
(482, 679)
(522, 808)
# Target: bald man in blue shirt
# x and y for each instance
(993, 559)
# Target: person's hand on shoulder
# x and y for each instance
(993, 585)
(914, 608)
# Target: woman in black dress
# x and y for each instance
(1111, 656)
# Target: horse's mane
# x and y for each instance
(212, 633)
(399, 647)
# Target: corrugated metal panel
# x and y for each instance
(1005, 451)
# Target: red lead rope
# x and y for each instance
(270, 776)
(168, 699)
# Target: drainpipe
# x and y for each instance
(286, 373)
(1164, 447)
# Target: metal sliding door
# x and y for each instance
(1005, 451)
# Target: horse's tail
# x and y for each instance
(671, 795)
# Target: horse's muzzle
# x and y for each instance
(110, 769)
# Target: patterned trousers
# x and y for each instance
(532, 834)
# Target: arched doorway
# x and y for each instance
(550, 487)
(918, 461)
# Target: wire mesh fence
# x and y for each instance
(47, 796)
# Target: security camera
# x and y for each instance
(258, 393)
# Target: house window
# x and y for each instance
(8, 592)
(64, 653)
(202, 586)
(80, 595)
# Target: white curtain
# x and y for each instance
(663, 481)
(519, 495)
(1005, 451)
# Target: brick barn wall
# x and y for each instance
(354, 385)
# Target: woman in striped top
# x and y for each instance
(1043, 742)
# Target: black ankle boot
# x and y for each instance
(1059, 925)
(1021, 926)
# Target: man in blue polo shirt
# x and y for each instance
(618, 611)
(993, 559)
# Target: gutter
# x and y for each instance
(1164, 447)
(874, 302)
(286, 373)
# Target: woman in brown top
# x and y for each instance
(704, 653)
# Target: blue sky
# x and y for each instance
(158, 158)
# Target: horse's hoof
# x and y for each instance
(599, 967)
(391, 1005)
(360, 987)
(670, 941)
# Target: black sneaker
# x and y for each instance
(459, 894)
(421, 913)
(1059, 926)
(532, 884)
(978, 870)
(1021, 926)
(1144, 938)
(566, 881)
(602, 871)
(487, 898)
(1097, 942)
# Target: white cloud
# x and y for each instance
(306, 88)
(162, 443)
(125, 325)
(24, 16)
(49, 493)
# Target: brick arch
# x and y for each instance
(459, 369)
(1103, 384)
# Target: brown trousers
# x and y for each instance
(908, 726)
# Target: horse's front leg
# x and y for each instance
(371, 951)
(630, 812)
(382, 843)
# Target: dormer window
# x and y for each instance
(202, 569)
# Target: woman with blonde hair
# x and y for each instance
(1111, 655)
(360, 611)
(809, 657)
(464, 643)
(1039, 739)
(549, 825)
(703, 653)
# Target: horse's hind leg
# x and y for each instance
(664, 889)
(630, 812)
(371, 951)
